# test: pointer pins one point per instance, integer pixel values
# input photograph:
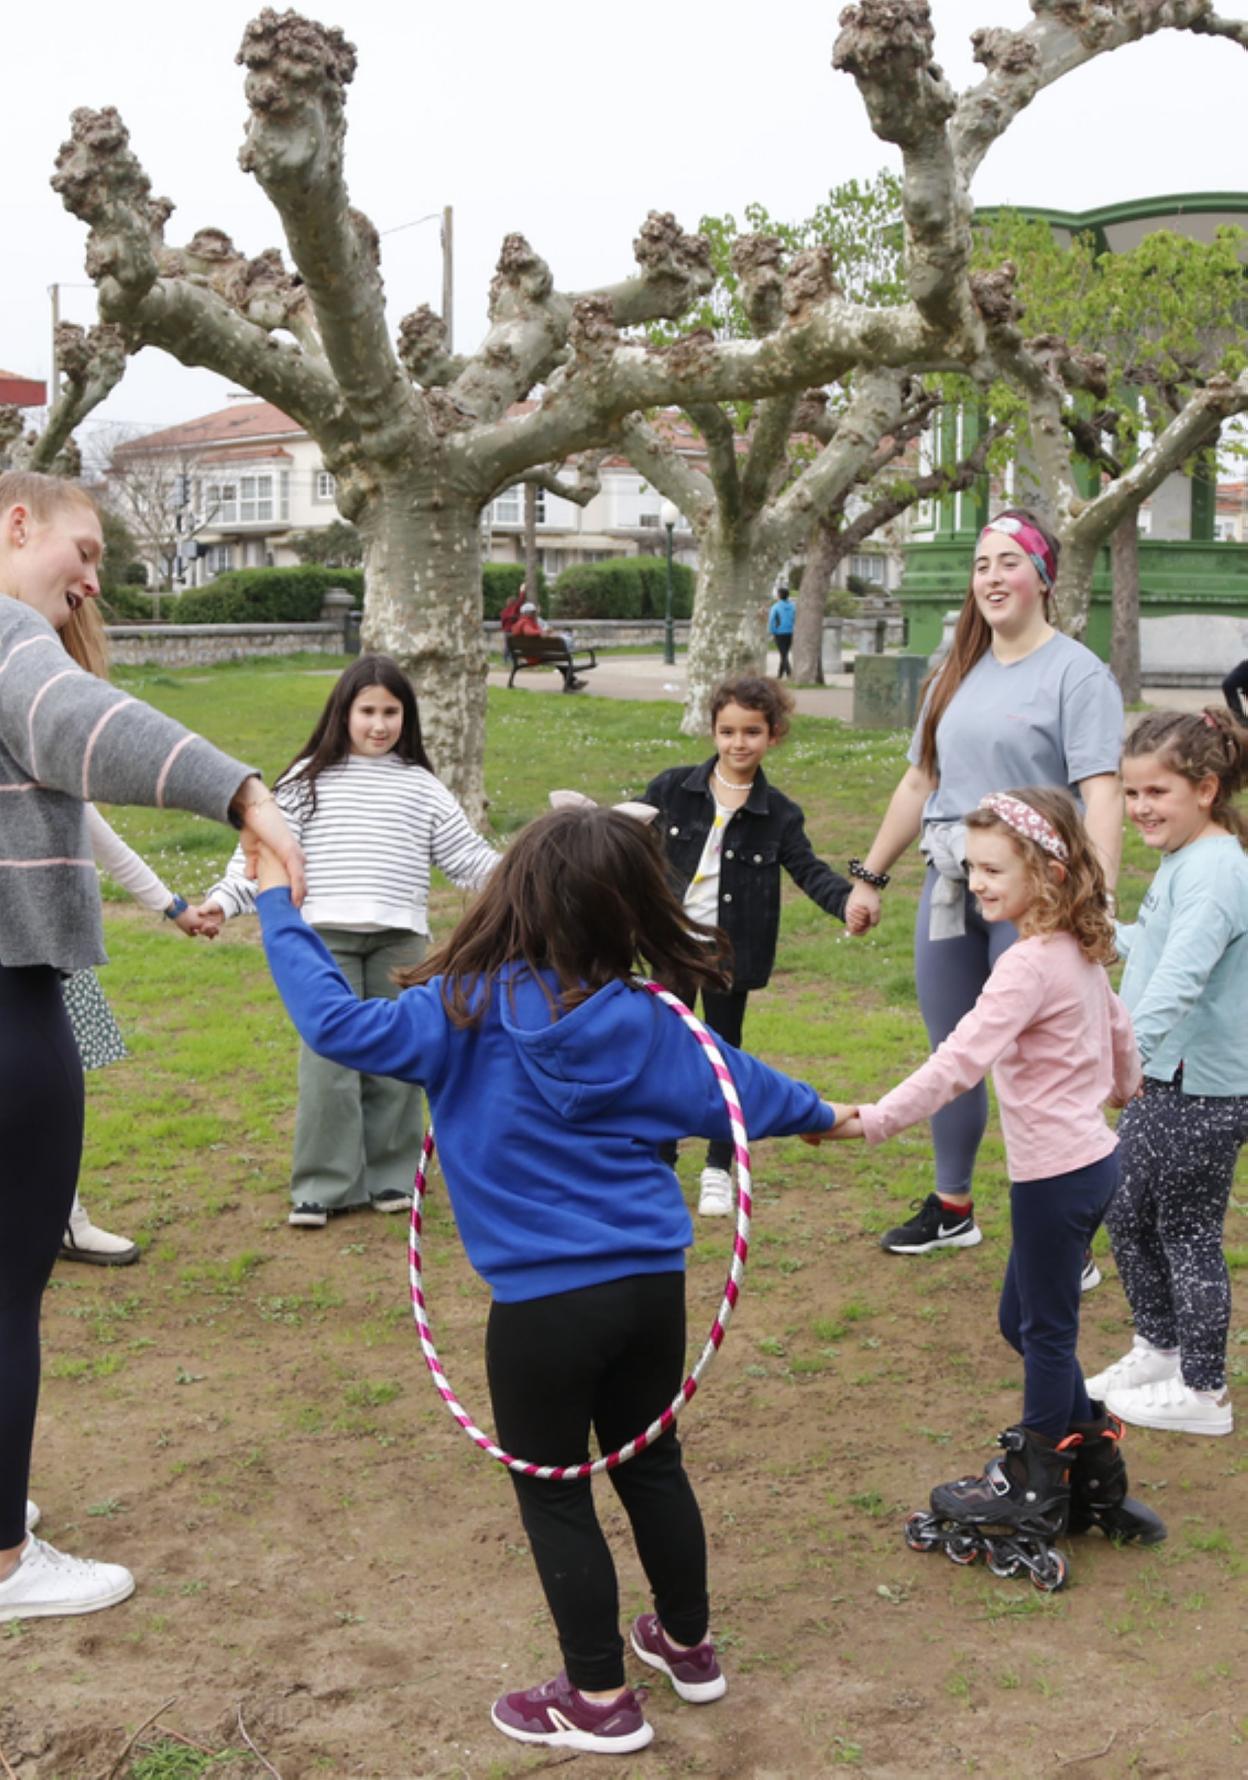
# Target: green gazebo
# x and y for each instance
(1183, 568)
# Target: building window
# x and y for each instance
(324, 486)
(220, 559)
(508, 508)
(867, 568)
(251, 500)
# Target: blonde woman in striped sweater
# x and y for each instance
(65, 737)
(373, 820)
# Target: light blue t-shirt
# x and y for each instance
(1053, 718)
(1186, 981)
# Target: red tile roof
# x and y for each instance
(240, 421)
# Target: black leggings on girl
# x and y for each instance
(41, 1110)
(1053, 1221)
(1178, 1163)
(611, 1357)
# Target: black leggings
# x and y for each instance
(41, 1102)
(723, 1011)
(612, 1357)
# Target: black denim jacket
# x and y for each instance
(767, 832)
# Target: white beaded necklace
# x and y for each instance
(732, 784)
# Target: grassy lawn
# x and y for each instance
(244, 1419)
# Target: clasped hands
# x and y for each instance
(848, 1124)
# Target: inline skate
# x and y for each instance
(1098, 1485)
(1010, 1515)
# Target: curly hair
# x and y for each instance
(1200, 745)
(756, 692)
(1066, 896)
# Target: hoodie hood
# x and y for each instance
(587, 1059)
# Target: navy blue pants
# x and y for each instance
(1053, 1220)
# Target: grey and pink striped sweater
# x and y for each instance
(67, 738)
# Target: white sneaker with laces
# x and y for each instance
(33, 1516)
(47, 1583)
(1145, 1364)
(1173, 1405)
(715, 1194)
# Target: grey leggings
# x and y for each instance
(1165, 1222)
(949, 975)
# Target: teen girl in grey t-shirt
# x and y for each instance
(1014, 703)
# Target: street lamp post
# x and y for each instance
(669, 514)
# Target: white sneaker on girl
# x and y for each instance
(47, 1583)
(715, 1198)
(1173, 1405)
(1145, 1364)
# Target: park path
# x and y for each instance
(649, 677)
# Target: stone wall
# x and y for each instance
(198, 645)
(1199, 650)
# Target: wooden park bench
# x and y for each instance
(548, 652)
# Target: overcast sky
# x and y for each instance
(565, 122)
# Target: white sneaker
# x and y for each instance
(1090, 1278)
(33, 1516)
(1171, 1404)
(715, 1194)
(47, 1583)
(83, 1241)
(1145, 1364)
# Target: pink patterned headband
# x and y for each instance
(1025, 820)
(1033, 542)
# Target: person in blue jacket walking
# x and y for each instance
(780, 622)
(553, 1078)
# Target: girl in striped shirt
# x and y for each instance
(362, 797)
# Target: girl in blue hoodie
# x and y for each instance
(553, 1079)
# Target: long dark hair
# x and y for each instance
(582, 893)
(330, 741)
(972, 638)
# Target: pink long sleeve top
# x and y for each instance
(1059, 1044)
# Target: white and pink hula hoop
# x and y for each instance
(732, 1286)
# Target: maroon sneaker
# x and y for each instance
(695, 1673)
(558, 1715)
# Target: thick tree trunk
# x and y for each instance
(422, 570)
(530, 542)
(823, 553)
(1124, 648)
(728, 632)
(1072, 593)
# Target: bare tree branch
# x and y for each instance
(92, 362)
(874, 407)
(660, 463)
(581, 491)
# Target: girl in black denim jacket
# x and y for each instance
(727, 831)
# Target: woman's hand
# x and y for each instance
(862, 911)
(263, 825)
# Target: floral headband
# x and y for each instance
(1034, 542)
(1025, 820)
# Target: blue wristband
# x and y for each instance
(177, 907)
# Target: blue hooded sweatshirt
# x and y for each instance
(548, 1130)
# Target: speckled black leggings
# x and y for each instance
(1178, 1163)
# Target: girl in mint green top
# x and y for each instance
(1186, 988)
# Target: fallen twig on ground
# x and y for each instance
(246, 1739)
(130, 1742)
(1093, 1755)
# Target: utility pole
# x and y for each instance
(54, 382)
(448, 274)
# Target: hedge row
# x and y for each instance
(624, 587)
(264, 596)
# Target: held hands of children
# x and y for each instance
(848, 1124)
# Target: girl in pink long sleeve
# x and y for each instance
(1060, 1046)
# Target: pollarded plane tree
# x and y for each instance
(90, 362)
(814, 472)
(420, 439)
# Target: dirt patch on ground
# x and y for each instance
(245, 1420)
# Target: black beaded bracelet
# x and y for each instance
(878, 880)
